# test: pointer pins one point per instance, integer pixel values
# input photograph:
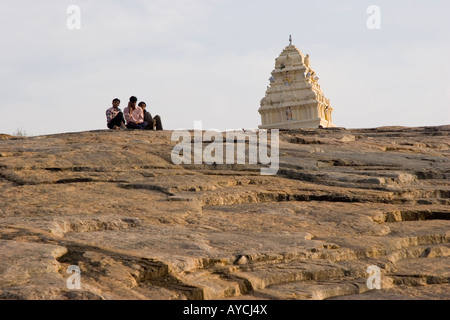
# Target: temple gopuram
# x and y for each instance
(294, 99)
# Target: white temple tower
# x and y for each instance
(294, 98)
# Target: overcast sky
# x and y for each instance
(210, 60)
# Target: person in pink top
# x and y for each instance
(134, 115)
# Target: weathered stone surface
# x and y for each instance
(140, 227)
(5, 137)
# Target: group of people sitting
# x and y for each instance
(133, 117)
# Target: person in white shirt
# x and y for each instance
(134, 115)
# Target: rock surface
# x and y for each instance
(140, 227)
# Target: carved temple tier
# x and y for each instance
(294, 98)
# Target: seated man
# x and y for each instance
(134, 115)
(114, 116)
(153, 123)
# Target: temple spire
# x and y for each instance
(294, 98)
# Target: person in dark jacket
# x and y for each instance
(154, 123)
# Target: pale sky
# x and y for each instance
(210, 61)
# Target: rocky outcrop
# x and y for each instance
(5, 137)
(140, 227)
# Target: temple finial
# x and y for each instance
(290, 39)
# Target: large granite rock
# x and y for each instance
(139, 227)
